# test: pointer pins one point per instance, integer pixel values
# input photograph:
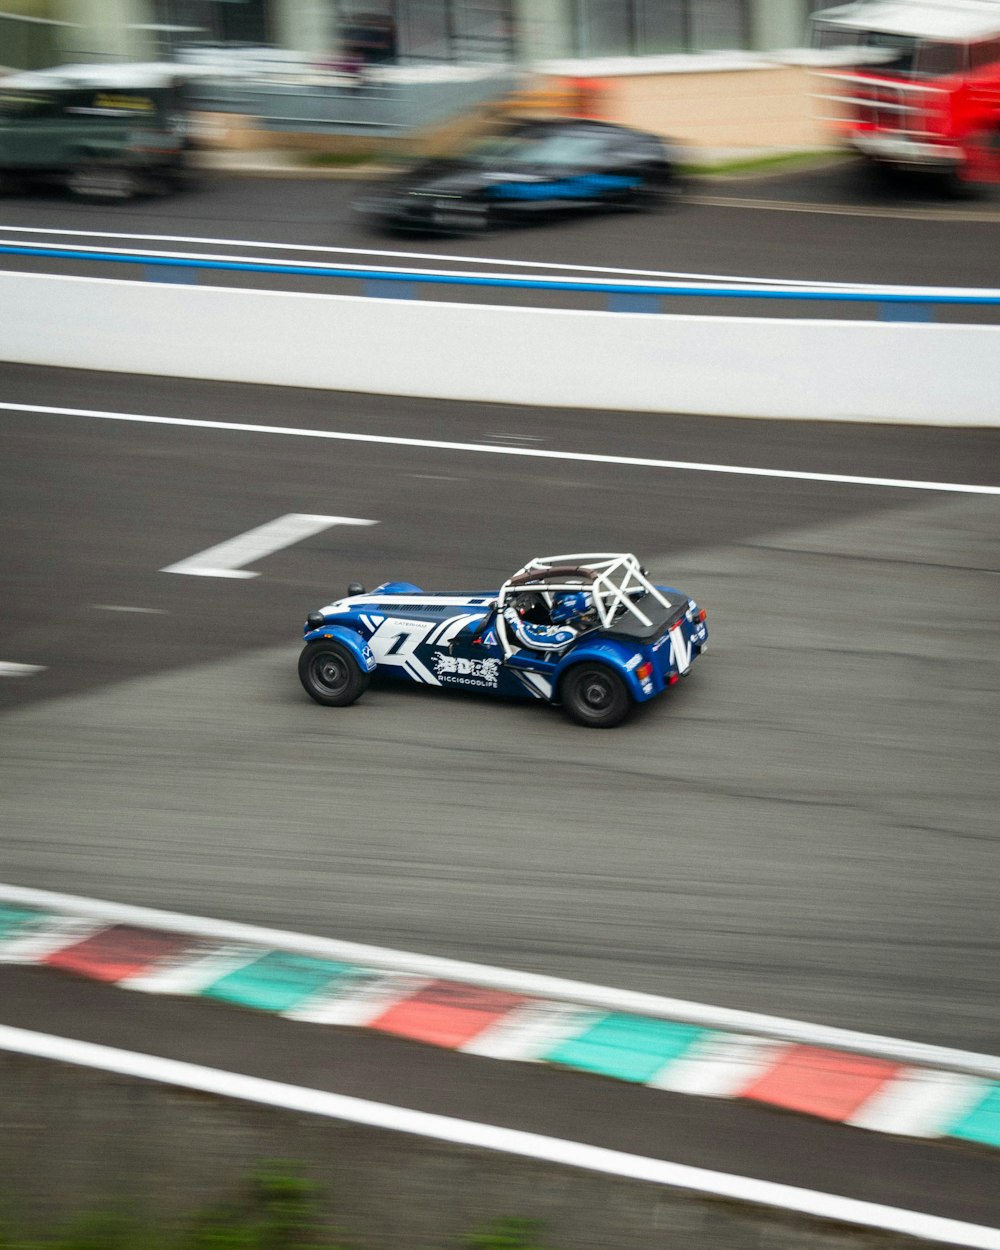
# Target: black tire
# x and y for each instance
(463, 218)
(656, 196)
(330, 674)
(594, 695)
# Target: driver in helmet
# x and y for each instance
(539, 627)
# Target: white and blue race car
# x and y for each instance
(589, 631)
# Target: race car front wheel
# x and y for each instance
(594, 695)
(330, 674)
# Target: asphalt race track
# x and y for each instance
(805, 827)
(812, 227)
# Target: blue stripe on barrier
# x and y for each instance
(157, 273)
(906, 312)
(530, 284)
(627, 302)
(377, 288)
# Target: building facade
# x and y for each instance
(520, 31)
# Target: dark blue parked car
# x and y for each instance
(590, 632)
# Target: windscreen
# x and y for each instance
(894, 54)
(570, 147)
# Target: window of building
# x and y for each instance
(234, 21)
(718, 25)
(437, 30)
(649, 27)
(664, 26)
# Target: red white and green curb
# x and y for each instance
(877, 1083)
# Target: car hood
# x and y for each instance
(394, 603)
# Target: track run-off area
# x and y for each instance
(805, 828)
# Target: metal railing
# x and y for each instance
(377, 102)
(890, 303)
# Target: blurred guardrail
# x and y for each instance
(748, 366)
(386, 103)
(628, 296)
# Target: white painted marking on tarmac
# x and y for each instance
(359, 1003)
(49, 934)
(558, 267)
(529, 984)
(124, 607)
(537, 453)
(227, 559)
(718, 1065)
(529, 1032)
(192, 971)
(847, 210)
(8, 668)
(920, 1103)
(492, 1137)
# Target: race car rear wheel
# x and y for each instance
(594, 695)
(330, 674)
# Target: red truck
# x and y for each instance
(915, 84)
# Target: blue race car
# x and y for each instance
(590, 632)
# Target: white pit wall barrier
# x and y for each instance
(823, 370)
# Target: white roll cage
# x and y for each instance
(613, 582)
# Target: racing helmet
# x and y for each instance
(568, 606)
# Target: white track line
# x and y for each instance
(497, 450)
(492, 1137)
(677, 274)
(529, 984)
(848, 210)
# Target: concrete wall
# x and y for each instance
(750, 106)
(749, 367)
(73, 1139)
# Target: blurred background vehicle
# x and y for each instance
(526, 169)
(919, 88)
(105, 131)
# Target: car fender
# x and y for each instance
(351, 640)
(624, 658)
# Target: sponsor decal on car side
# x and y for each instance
(465, 670)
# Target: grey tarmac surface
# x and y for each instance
(738, 233)
(807, 827)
